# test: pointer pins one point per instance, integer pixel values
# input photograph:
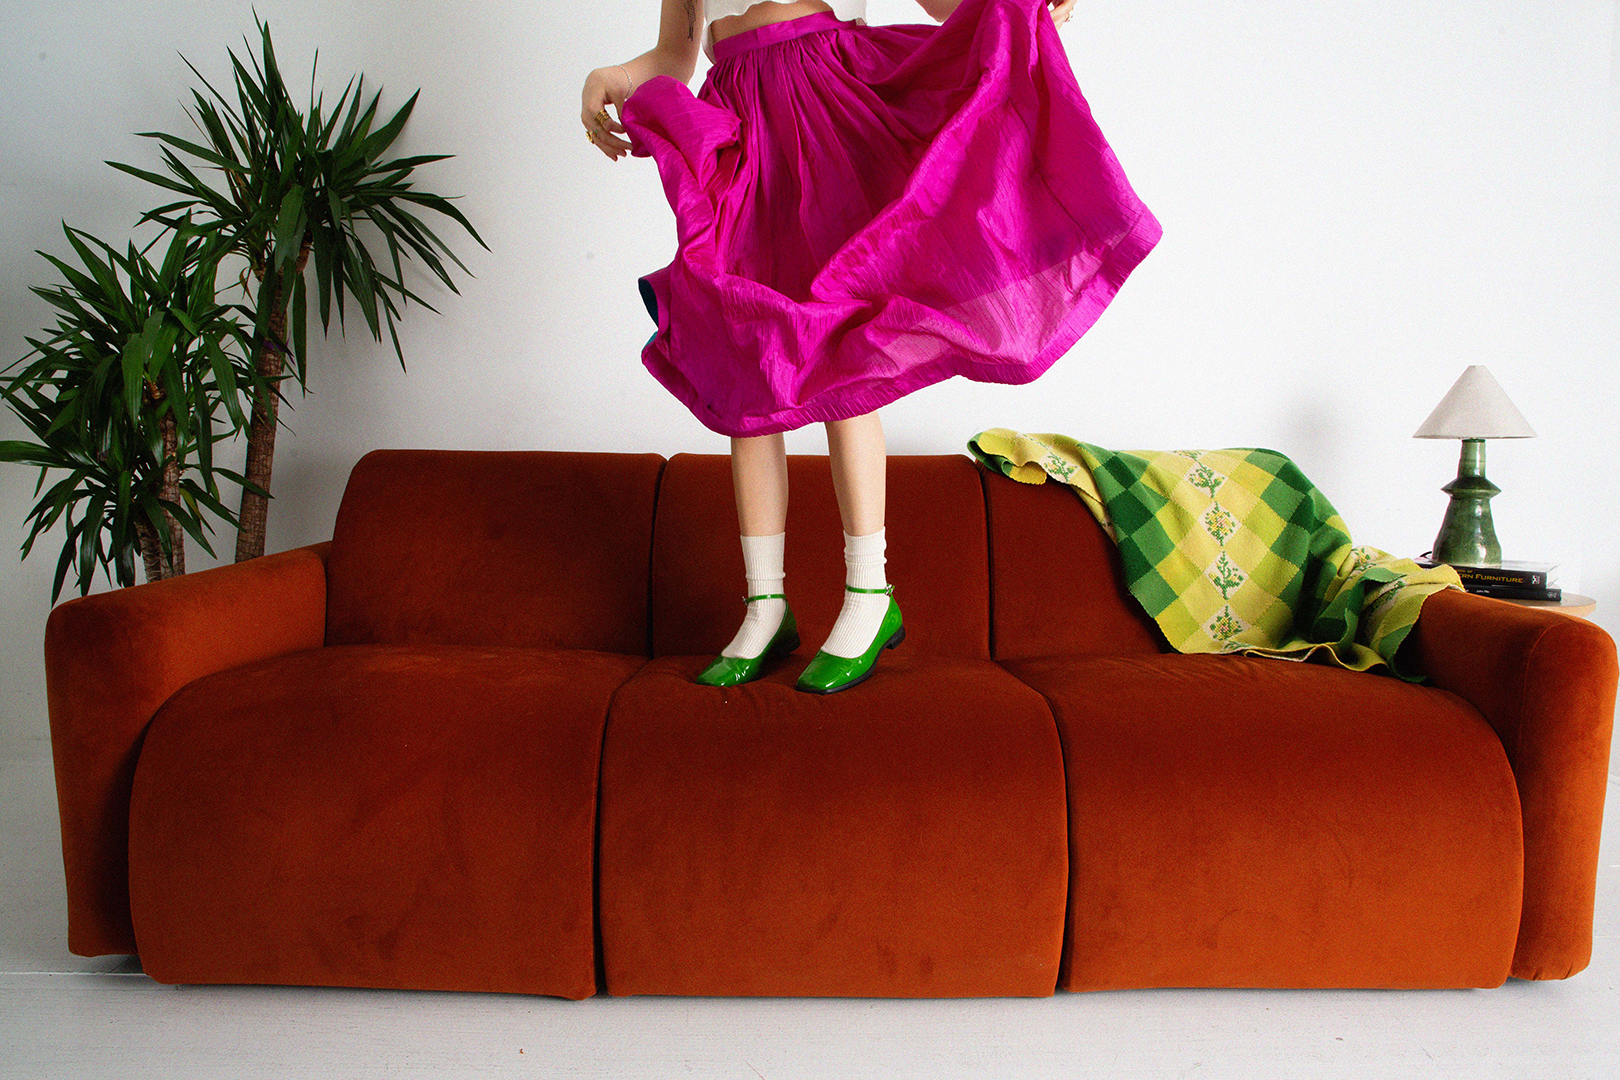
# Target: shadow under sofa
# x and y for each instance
(458, 746)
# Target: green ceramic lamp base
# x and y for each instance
(1467, 537)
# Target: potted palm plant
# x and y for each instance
(297, 188)
(123, 398)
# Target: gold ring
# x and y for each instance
(591, 135)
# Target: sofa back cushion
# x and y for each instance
(937, 560)
(544, 549)
(1057, 584)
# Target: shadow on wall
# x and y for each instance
(1312, 429)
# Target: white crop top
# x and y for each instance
(719, 9)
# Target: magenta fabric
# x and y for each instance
(862, 211)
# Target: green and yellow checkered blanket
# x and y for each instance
(1233, 551)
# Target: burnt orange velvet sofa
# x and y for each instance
(459, 746)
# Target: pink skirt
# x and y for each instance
(862, 211)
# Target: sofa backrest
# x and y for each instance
(544, 549)
(1056, 582)
(937, 558)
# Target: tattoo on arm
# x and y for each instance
(691, 19)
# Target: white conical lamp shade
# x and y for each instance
(1475, 407)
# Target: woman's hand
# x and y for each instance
(1061, 10)
(604, 85)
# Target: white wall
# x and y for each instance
(1359, 200)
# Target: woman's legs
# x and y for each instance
(855, 449)
(759, 478)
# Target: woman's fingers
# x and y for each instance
(609, 144)
(605, 130)
(599, 122)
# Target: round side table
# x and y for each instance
(1571, 604)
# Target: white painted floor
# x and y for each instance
(68, 1016)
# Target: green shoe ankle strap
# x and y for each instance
(885, 589)
(765, 596)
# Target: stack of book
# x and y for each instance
(1509, 581)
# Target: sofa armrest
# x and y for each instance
(1546, 682)
(111, 660)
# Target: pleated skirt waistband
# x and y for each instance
(771, 33)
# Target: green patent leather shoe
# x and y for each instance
(828, 674)
(731, 670)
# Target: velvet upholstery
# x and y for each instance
(544, 549)
(375, 761)
(1546, 682)
(905, 838)
(111, 659)
(376, 815)
(1239, 821)
(934, 527)
(1057, 583)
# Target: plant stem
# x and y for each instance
(171, 492)
(150, 542)
(270, 363)
(151, 555)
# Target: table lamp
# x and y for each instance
(1475, 409)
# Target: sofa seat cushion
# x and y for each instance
(376, 815)
(902, 838)
(1254, 822)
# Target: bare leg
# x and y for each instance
(855, 447)
(759, 477)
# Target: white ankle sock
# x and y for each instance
(862, 613)
(762, 564)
